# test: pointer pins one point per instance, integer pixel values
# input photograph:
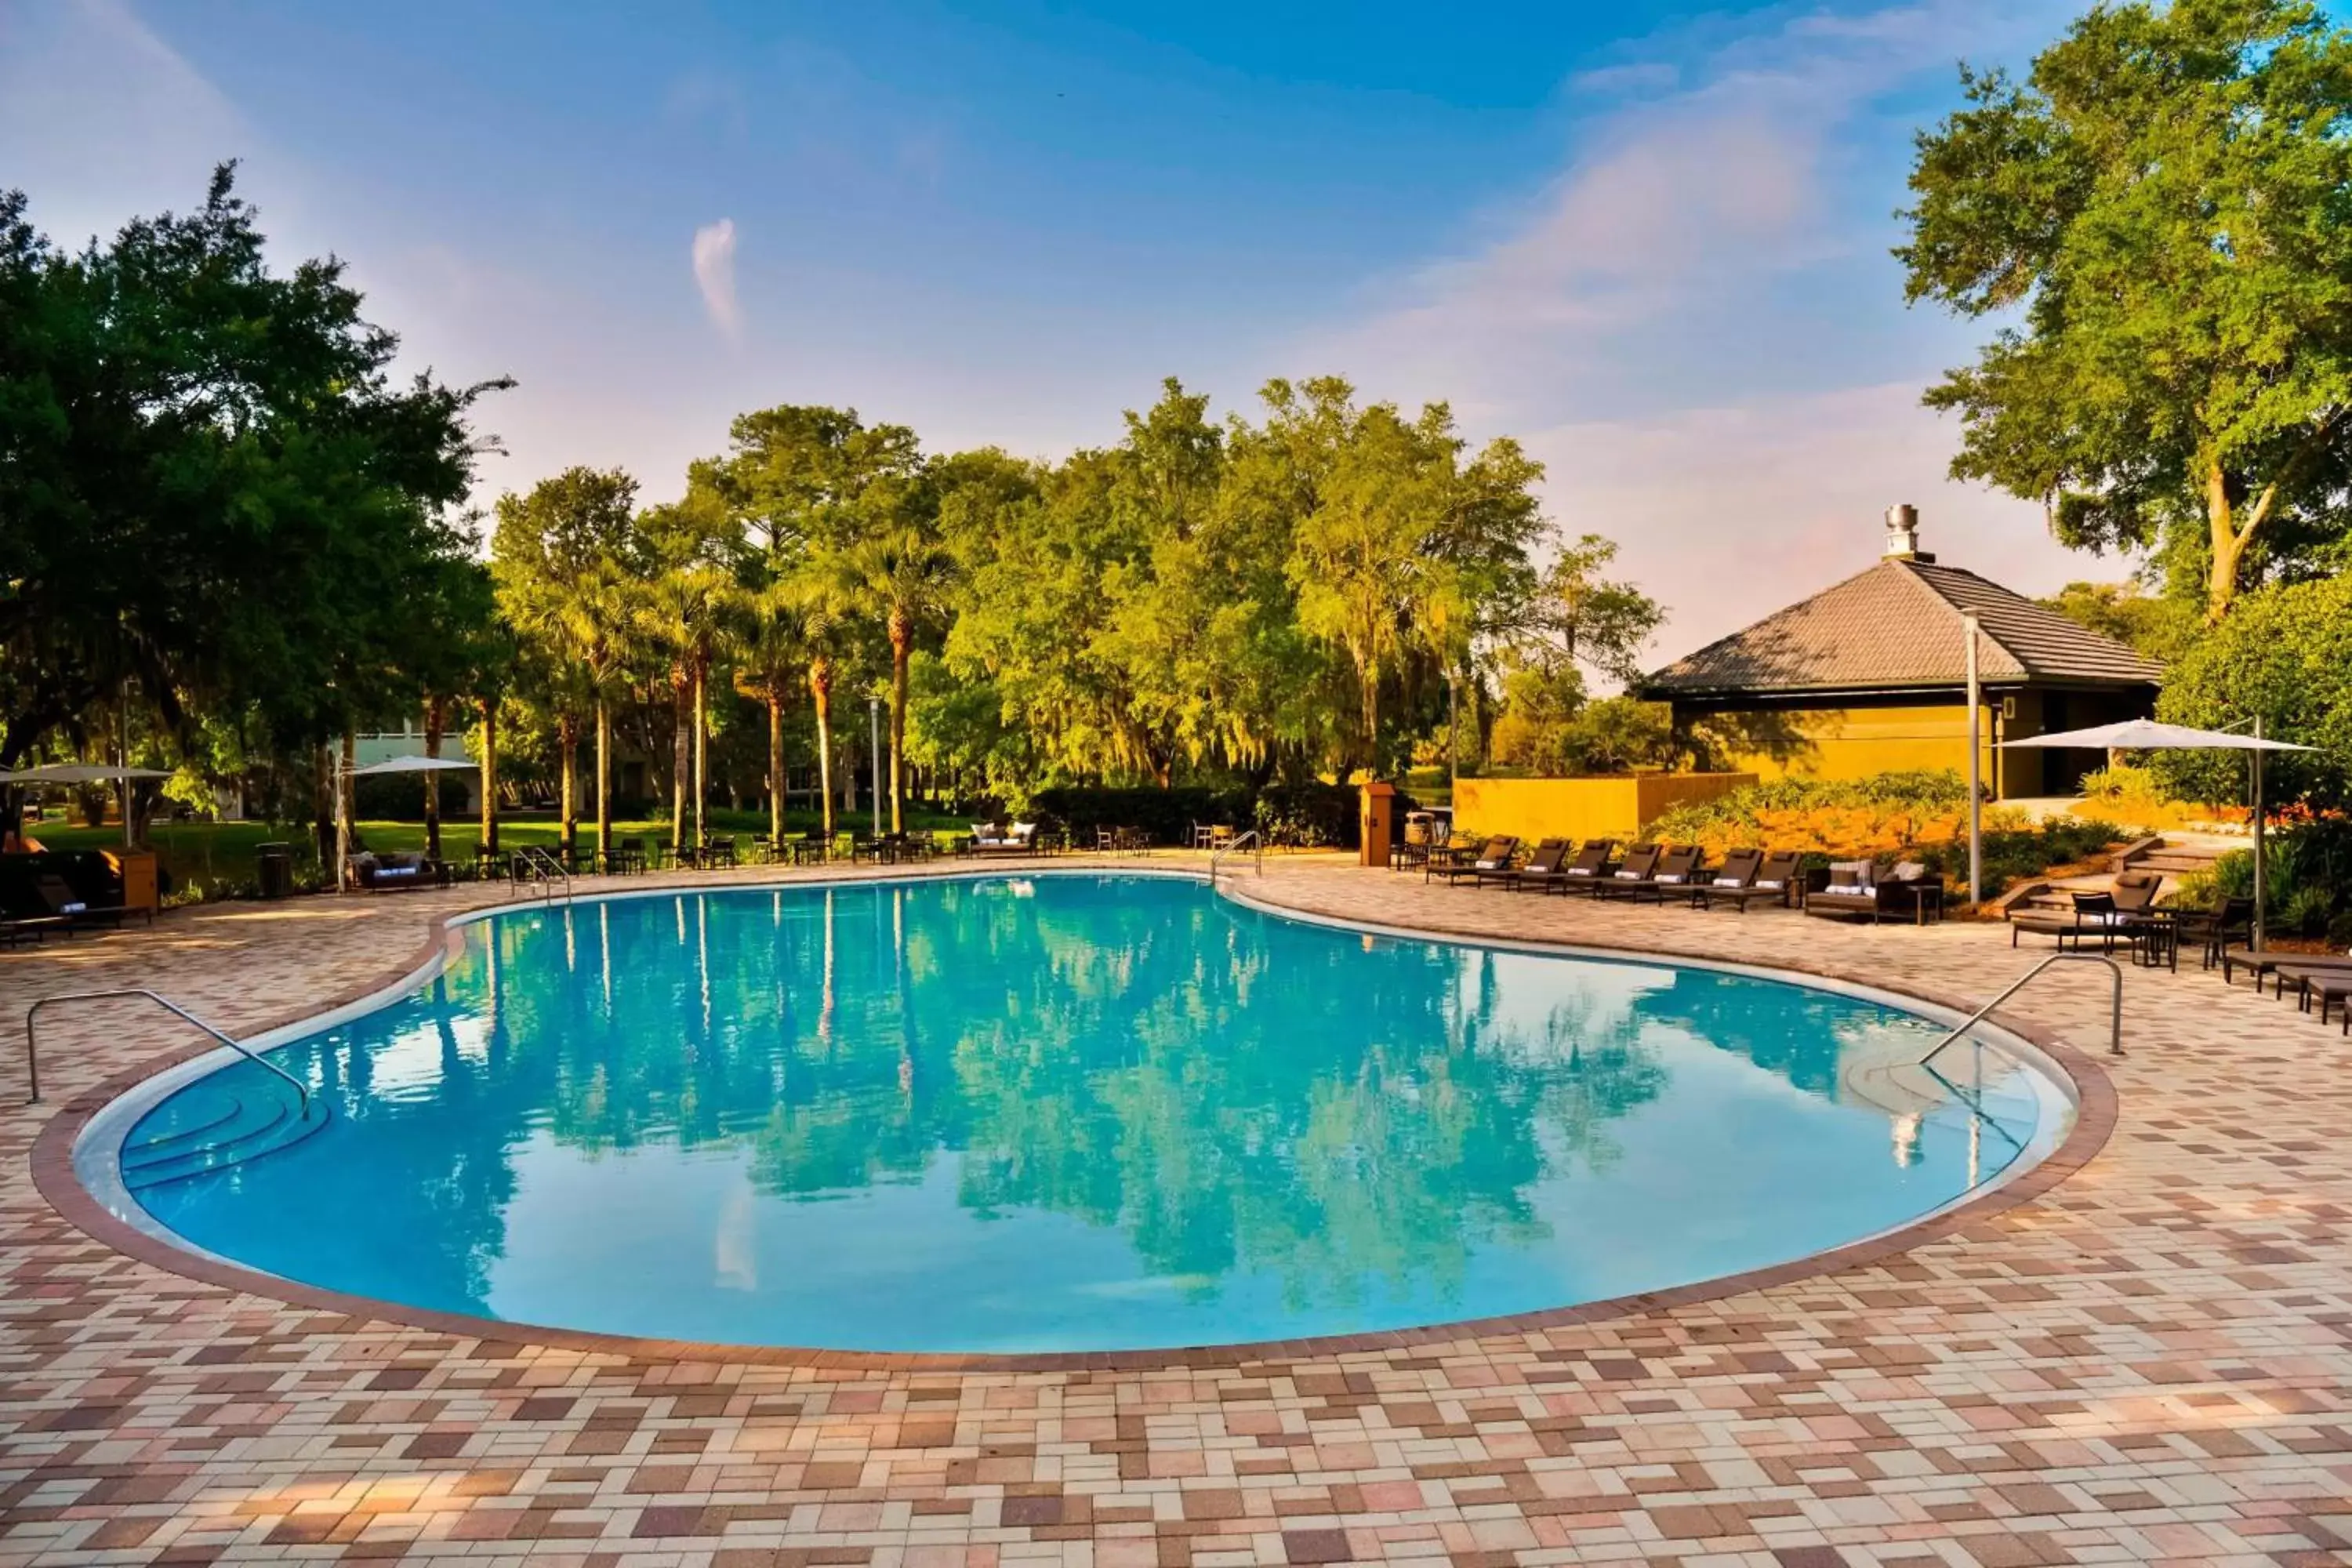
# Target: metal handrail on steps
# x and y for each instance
(546, 867)
(1249, 837)
(2115, 1015)
(32, 1049)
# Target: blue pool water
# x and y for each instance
(1064, 1111)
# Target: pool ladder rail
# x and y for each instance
(246, 1129)
(1251, 838)
(2115, 1013)
(533, 864)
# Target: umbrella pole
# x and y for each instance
(2259, 870)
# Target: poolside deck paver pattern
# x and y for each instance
(2149, 1360)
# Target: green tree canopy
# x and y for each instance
(2285, 656)
(2163, 212)
(213, 488)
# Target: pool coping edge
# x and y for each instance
(60, 1182)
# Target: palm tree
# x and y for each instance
(683, 612)
(902, 574)
(776, 643)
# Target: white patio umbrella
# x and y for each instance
(81, 773)
(413, 765)
(115, 774)
(2148, 735)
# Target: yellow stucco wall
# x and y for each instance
(1855, 743)
(1611, 807)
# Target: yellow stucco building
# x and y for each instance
(1870, 675)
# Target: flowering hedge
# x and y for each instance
(1919, 815)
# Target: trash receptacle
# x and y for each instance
(275, 864)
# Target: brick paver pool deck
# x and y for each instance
(2145, 1358)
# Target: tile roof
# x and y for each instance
(1898, 625)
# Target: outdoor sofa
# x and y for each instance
(1874, 889)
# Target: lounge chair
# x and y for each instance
(2270, 960)
(1641, 864)
(1590, 867)
(1773, 879)
(2315, 977)
(1495, 856)
(1542, 870)
(1679, 872)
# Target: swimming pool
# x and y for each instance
(1071, 1111)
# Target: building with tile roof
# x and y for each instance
(1870, 675)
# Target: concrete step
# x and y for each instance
(2175, 862)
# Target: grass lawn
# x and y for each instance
(218, 857)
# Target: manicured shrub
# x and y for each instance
(1920, 815)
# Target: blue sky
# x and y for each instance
(1649, 238)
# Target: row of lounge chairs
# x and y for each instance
(1650, 871)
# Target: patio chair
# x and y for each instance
(2214, 929)
(1493, 855)
(1540, 871)
(1641, 864)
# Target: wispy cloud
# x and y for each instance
(1694, 322)
(714, 274)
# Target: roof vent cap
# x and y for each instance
(1903, 535)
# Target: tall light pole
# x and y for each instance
(874, 709)
(1976, 806)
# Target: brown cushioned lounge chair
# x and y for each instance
(1641, 864)
(1677, 871)
(1540, 871)
(1591, 865)
(1774, 879)
(1493, 855)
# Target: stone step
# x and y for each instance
(255, 1125)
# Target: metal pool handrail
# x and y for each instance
(2116, 1012)
(32, 1052)
(1249, 837)
(546, 866)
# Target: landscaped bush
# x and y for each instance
(2306, 882)
(1922, 816)
(2133, 797)
(1843, 819)
(1317, 816)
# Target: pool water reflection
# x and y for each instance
(1068, 1112)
